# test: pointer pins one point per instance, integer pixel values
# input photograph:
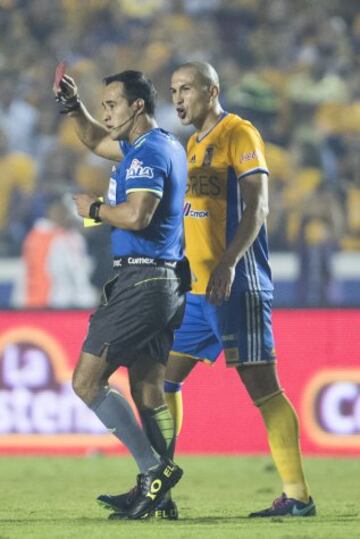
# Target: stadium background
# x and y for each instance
(291, 67)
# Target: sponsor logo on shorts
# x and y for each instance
(137, 170)
(197, 214)
(331, 408)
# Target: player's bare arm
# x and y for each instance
(134, 214)
(254, 191)
(93, 134)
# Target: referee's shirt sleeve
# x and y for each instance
(146, 172)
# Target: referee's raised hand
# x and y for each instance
(66, 93)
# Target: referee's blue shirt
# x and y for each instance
(155, 162)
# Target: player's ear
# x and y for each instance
(214, 92)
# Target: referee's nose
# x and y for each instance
(106, 116)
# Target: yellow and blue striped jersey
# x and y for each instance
(217, 162)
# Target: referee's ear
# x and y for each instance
(138, 105)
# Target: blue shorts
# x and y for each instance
(241, 327)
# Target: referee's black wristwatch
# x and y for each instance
(94, 211)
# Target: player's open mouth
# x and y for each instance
(181, 112)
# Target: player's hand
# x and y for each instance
(220, 283)
(83, 203)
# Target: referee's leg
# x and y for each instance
(147, 388)
(91, 376)
(90, 383)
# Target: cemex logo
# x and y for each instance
(36, 398)
(197, 214)
(331, 408)
(137, 170)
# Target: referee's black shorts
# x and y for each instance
(141, 307)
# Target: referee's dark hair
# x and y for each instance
(136, 86)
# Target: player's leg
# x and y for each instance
(195, 341)
(178, 369)
(281, 424)
(252, 352)
(90, 383)
(146, 384)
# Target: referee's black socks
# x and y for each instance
(160, 429)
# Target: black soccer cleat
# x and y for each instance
(125, 516)
(120, 503)
(154, 484)
(167, 510)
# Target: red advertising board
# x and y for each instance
(319, 365)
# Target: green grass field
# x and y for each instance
(54, 498)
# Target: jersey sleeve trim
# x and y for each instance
(253, 171)
(155, 192)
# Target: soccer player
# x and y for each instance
(145, 300)
(229, 308)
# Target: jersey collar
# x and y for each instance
(204, 135)
(138, 141)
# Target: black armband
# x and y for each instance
(94, 211)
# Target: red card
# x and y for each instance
(59, 73)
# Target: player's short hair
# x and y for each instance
(206, 72)
(136, 86)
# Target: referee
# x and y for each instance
(144, 301)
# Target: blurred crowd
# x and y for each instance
(292, 67)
